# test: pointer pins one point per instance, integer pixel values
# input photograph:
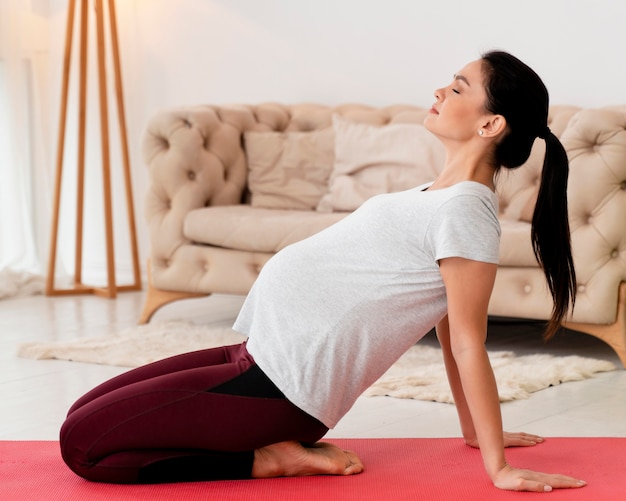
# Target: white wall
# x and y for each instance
(378, 52)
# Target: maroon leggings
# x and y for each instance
(197, 416)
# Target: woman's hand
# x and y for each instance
(513, 440)
(513, 479)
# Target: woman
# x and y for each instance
(328, 315)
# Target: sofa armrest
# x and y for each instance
(195, 159)
(595, 140)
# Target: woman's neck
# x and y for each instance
(465, 166)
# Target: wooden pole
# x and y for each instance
(121, 114)
(111, 288)
(82, 121)
(60, 149)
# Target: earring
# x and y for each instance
(481, 132)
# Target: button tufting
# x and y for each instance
(622, 186)
(615, 254)
(582, 288)
(191, 175)
(527, 289)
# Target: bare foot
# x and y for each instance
(292, 459)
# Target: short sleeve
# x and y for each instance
(465, 226)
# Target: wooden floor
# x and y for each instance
(34, 395)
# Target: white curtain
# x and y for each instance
(24, 171)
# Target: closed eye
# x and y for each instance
(455, 91)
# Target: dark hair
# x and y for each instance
(517, 93)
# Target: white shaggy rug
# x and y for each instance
(418, 374)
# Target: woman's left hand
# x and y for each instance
(518, 439)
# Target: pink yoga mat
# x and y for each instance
(396, 469)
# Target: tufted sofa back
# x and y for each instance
(207, 144)
(196, 159)
(218, 132)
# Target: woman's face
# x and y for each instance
(459, 111)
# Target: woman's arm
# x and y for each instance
(517, 439)
(468, 289)
(465, 418)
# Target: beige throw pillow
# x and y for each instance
(370, 160)
(289, 170)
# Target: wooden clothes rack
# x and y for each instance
(111, 289)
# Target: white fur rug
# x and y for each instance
(418, 374)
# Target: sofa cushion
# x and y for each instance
(251, 229)
(254, 229)
(289, 170)
(370, 160)
(515, 245)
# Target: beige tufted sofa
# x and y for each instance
(206, 237)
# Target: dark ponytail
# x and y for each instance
(550, 232)
(517, 93)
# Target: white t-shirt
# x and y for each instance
(330, 314)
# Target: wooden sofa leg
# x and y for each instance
(156, 298)
(614, 335)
